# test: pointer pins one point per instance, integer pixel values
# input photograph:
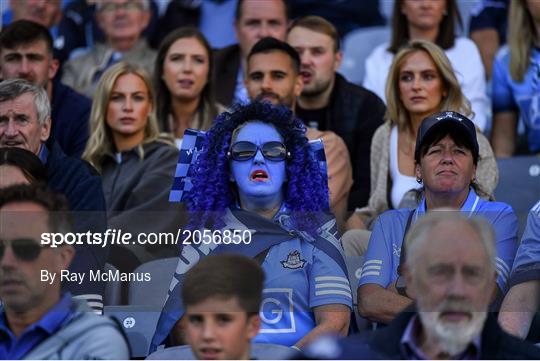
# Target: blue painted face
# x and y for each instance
(259, 180)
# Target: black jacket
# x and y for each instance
(354, 113)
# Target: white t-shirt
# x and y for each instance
(466, 61)
(401, 183)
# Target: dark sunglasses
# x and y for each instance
(244, 150)
(23, 248)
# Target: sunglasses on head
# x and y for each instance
(244, 150)
(23, 248)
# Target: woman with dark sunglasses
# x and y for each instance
(258, 172)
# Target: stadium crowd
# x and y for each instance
(311, 216)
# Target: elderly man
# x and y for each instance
(37, 321)
(26, 52)
(450, 269)
(273, 74)
(25, 123)
(254, 20)
(123, 22)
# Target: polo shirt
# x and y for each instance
(384, 250)
(527, 263)
(13, 348)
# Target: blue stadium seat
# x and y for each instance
(519, 185)
(155, 291)
(259, 351)
(357, 45)
(139, 324)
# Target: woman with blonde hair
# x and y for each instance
(516, 72)
(421, 82)
(434, 21)
(136, 163)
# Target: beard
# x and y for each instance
(275, 99)
(453, 337)
(316, 88)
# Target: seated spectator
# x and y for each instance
(273, 75)
(25, 123)
(260, 173)
(184, 90)
(122, 22)
(26, 52)
(222, 296)
(488, 30)
(420, 83)
(450, 269)
(253, 21)
(446, 160)
(136, 164)
(329, 102)
(433, 21)
(523, 299)
(47, 13)
(20, 166)
(79, 31)
(515, 83)
(37, 321)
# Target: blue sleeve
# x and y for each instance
(327, 282)
(378, 265)
(505, 226)
(489, 15)
(502, 94)
(527, 263)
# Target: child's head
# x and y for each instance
(222, 296)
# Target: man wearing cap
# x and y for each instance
(446, 160)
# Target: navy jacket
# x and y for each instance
(383, 343)
(81, 185)
(69, 113)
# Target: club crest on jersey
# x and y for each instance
(293, 261)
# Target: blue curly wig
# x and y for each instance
(306, 192)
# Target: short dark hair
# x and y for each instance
(268, 44)
(225, 276)
(447, 28)
(319, 25)
(238, 10)
(23, 32)
(29, 163)
(56, 204)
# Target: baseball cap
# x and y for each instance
(447, 119)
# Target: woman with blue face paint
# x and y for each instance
(258, 172)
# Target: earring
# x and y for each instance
(419, 180)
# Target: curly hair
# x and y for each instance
(306, 193)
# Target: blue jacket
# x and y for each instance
(69, 113)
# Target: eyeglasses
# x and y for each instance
(24, 249)
(128, 6)
(244, 150)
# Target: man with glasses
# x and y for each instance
(123, 22)
(37, 320)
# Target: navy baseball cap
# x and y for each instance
(447, 120)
